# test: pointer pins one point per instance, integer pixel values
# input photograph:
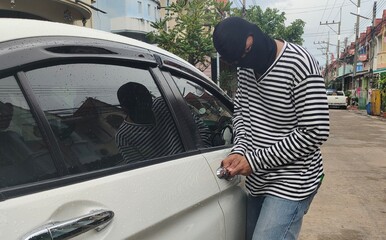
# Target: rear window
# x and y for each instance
(334, 93)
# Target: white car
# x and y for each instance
(77, 163)
(336, 99)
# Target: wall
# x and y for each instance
(127, 17)
(51, 10)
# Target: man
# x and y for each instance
(280, 121)
(147, 131)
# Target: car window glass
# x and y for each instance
(24, 156)
(211, 116)
(94, 128)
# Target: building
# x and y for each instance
(74, 12)
(128, 18)
(371, 63)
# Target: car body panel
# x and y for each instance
(139, 211)
(232, 194)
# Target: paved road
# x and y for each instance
(351, 203)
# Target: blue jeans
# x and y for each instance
(274, 218)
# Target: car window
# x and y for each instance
(105, 115)
(211, 116)
(24, 155)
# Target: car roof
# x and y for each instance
(14, 29)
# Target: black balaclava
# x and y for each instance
(229, 39)
(137, 101)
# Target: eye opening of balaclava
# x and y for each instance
(229, 39)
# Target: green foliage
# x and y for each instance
(191, 36)
(382, 87)
(228, 81)
(382, 81)
(272, 22)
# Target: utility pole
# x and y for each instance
(372, 45)
(338, 47)
(356, 44)
(244, 9)
(344, 62)
(358, 5)
(327, 51)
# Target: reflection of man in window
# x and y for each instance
(148, 130)
(6, 111)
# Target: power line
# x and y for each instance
(331, 10)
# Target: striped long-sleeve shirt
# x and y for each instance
(280, 121)
(139, 142)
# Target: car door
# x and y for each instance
(212, 114)
(74, 183)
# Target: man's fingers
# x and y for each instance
(234, 163)
(228, 161)
(242, 168)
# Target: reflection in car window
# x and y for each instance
(24, 156)
(211, 116)
(80, 102)
(148, 130)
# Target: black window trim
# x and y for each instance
(21, 52)
(169, 76)
(42, 123)
(179, 112)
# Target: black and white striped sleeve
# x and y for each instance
(239, 138)
(312, 129)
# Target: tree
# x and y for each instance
(382, 88)
(228, 80)
(191, 36)
(272, 22)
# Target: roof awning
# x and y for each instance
(80, 10)
(381, 70)
(361, 73)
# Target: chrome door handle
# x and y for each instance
(222, 173)
(68, 229)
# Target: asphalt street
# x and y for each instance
(351, 203)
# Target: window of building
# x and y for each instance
(139, 7)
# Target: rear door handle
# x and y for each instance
(63, 230)
(222, 173)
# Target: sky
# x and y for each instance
(314, 12)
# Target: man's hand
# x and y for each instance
(237, 164)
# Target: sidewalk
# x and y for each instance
(364, 113)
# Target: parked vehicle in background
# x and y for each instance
(336, 99)
(75, 164)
